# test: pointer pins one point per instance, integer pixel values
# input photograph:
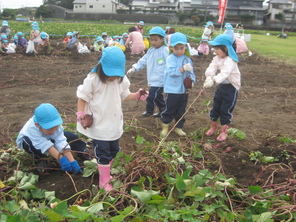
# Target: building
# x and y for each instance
(281, 10)
(95, 6)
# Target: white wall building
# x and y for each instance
(95, 6)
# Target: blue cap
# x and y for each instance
(228, 26)
(209, 23)
(34, 24)
(178, 38)
(99, 38)
(226, 40)
(4, 38)
(69, 33)
(43, 35)
(167, 28)
(15, 37)
(5, 23)
(20, 34)
(35, 27)
(104, 34)
(116, 38)
(113, 61)
(157, 31)
(47, 116)
(125, 35)
(140, 23)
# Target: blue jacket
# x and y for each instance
(155, 61)
(173, 78)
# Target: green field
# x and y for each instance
(264, 45)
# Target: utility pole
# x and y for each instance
(293, 16)
(206, 12)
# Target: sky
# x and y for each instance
(20, 3)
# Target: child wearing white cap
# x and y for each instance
(178, 68)
(101, 95)
(43, 134)
(223, 71)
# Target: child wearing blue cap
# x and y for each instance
(22, 42)
(67, 38)
(3, 44)
(73, 41)
(203, 48)
(101, 95)
(98, 45)
(223, 71)
(178, 68)
(154, 61)
(139, 27)
(43, 134)
(208, 30)
(35, 36)
(5, 29)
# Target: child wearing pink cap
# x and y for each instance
(203, 48)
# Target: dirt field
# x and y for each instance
(265, 111)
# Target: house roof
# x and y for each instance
(280, 2)
(79, 2)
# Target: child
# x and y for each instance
(139, 27)
(98, 44)
(21, 43)
(137, 45)
(229, 30)
(178, 67)
(35, 36)
(3, 44)
(123, 41)
(44, 39)
(105, 38)
(5, 29)
(223, 71)
(208, 31)
(67, 38)
(154, 60)
(101, 94)
(73, 42)
(43, 134)
(203, 48)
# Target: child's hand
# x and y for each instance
(76, 167)
(209, 82)
(66, 166)
(130, 72)
(142, 94)
(187, 67)
(80, 116)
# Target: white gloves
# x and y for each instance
(187, 67)
(209, 82)
(130, 72)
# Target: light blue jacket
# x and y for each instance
(41, 141)
(155, 61)
(173, 78)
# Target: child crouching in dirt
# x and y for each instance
(43, 134)
(178, 68)
(101, 95)
(154, 60)
(223, 71)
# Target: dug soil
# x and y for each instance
(265, 112)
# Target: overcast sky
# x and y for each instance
(20, 3)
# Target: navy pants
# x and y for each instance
(175, 107)
(155, 99)
(105, 151)
(224, 103)
(77, 145)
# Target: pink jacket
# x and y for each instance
(135, 42)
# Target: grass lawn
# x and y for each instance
(273, 47)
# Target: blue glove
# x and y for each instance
(75, 167)
(66, 166)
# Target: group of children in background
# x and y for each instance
(169, 68)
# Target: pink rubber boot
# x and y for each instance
(104, 171)
(213, 129)
(223, 134)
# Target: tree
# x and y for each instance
(126, 2)
(9, 13)
(63, 3)
(44, 11)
